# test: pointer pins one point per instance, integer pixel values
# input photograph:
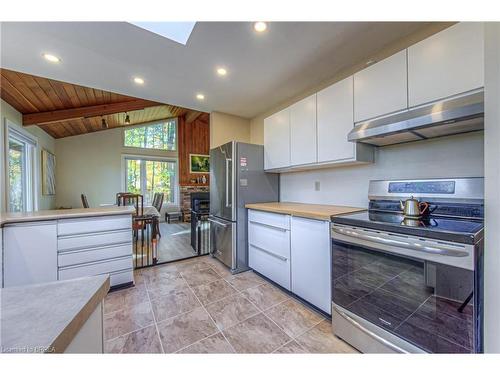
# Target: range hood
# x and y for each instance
(446, 117)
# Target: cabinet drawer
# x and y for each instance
(84, 241)
(123, 277)
(96, 268)
(275, 267)
(275, 240)
(70, 258)
(269, 218)
(93, 224)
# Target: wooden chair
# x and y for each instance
(85, 202)
(158, 203)
(131, 199)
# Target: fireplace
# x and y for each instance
(186, 199)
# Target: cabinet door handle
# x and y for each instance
(268, 226)
(280, 257)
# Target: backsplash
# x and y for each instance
(454, 156)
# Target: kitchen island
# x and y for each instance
(57, 317)
(51, 245)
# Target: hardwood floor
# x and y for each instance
(175, 242)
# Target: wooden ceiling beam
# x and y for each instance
(191, 116)
(84, 112)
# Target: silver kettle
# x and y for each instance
(413, 208)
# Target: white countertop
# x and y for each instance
(46, 317)
(20, 217)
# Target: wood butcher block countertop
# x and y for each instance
(311, 211)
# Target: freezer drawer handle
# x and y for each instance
(270, 253)
(407, 245)
(218, 222)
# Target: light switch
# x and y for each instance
(317, 185)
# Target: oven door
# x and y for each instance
(403, 289)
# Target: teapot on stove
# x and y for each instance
(413, 208)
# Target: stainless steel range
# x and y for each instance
(411, 284)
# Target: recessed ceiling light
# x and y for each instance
(260, 26)
(51, 58)
(221, 71)
(139, 80)
(370, 62)
(200, 96)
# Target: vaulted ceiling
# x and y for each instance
(63, 109)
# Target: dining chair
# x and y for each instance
(85, 202)
(158, 203)
(131, 199)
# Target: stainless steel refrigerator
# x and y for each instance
(237, 177)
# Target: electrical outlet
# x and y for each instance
(317, 186)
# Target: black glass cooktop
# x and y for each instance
(448, 229)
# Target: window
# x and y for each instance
(148, 176)
(160, 136)
(21, 160)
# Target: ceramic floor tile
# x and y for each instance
(231, 310)
(127, 320)
(200, 277)
(265, 296)
(174, 303)
(144, 340)
(185, 329)
(257, 334)
(208, 293)
(245, 280)
(121, 299)
(320, 339)
(211, 345)
(192, 265)
(292, 347)
(293, 317)
(219, 267)
(166, 286)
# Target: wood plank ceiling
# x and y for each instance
(64, 109)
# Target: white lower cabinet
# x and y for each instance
(311, 265)
(294, 253)
(269, 246)
(30, 255)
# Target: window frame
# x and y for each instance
(31, 180)
(126, 157)
(152, 123)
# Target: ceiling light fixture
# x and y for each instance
(104, 124)
(370, 62)
(139, 80)
(260, 26)
(200, 96)
(51, 58)
(221, 71)
(127, 119)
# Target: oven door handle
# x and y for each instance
(437, 250)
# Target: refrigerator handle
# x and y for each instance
(228, 203)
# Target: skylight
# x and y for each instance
(177, 31)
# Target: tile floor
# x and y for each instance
(197, 306)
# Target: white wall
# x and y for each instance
(492, 188)
(45, 141)
(225, 128)
(455, 156)
(92, 164)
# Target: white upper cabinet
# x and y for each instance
(303, 131)
(381, 88)
(448, 63)
(277, 140)
(335, 118)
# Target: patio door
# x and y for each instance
(148, 176)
